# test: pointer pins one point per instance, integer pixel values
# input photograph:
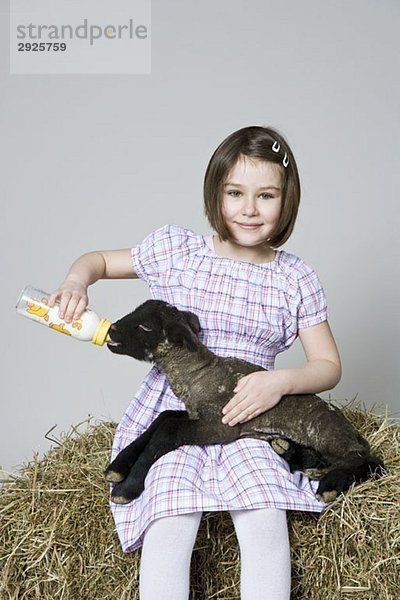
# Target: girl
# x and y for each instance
(252, 301)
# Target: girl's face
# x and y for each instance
(251, 203)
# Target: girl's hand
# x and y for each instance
(73, 299)
(254, 394)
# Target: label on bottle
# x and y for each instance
(35, 307)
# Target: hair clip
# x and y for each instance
(276, 147)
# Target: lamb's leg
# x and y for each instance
(340, 479)
(122, 464)
(300, 458)
(306, 460)
(171, 434)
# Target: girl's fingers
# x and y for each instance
(81, 306)
(232, 404)
(72, 306)
(236, 410)
(246, 414)
(252, 415)
(64, 301)
(54, 297)
(241, 384)
(72, 301)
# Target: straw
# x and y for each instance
(58, 539)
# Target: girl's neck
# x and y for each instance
(251, 254)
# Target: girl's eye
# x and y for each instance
(144, 327)
(238, 194)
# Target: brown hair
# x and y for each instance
(255, 142)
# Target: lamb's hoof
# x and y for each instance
(128, 490)
(335, 482)
(120, 499)
(328, 496)
(113, 476)
(280, 445)
(314, 473)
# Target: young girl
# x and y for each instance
(252, 301)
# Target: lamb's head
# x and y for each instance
(151, 324)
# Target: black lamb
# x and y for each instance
(311, 434)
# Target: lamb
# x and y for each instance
(311, 434)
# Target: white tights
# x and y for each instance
(264, 555)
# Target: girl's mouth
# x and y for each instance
(249, 226)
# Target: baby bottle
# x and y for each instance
(34, 304)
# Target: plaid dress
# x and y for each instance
(251, 311)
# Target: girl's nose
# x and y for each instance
(249, 207)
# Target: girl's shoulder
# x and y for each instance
(172, 230)
(300, 277)
(162, 248)
(293, 266)
(175, 237)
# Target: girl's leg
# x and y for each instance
(166, 553)
(264, 553)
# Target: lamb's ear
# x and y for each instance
(180, 335)
(192, 320)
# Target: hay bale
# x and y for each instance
(58, 538)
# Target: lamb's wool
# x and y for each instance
(205, 382)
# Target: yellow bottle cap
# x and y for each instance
(100, 334)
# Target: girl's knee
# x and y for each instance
(266, 526)
(176, 530)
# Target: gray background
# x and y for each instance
(98, 161)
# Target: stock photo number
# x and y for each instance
(92, 39)
(42, 47)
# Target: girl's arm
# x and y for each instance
(260, 391)
(323, 369)
(87, 269)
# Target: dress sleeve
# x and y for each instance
(157, 252)
(312, 307)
